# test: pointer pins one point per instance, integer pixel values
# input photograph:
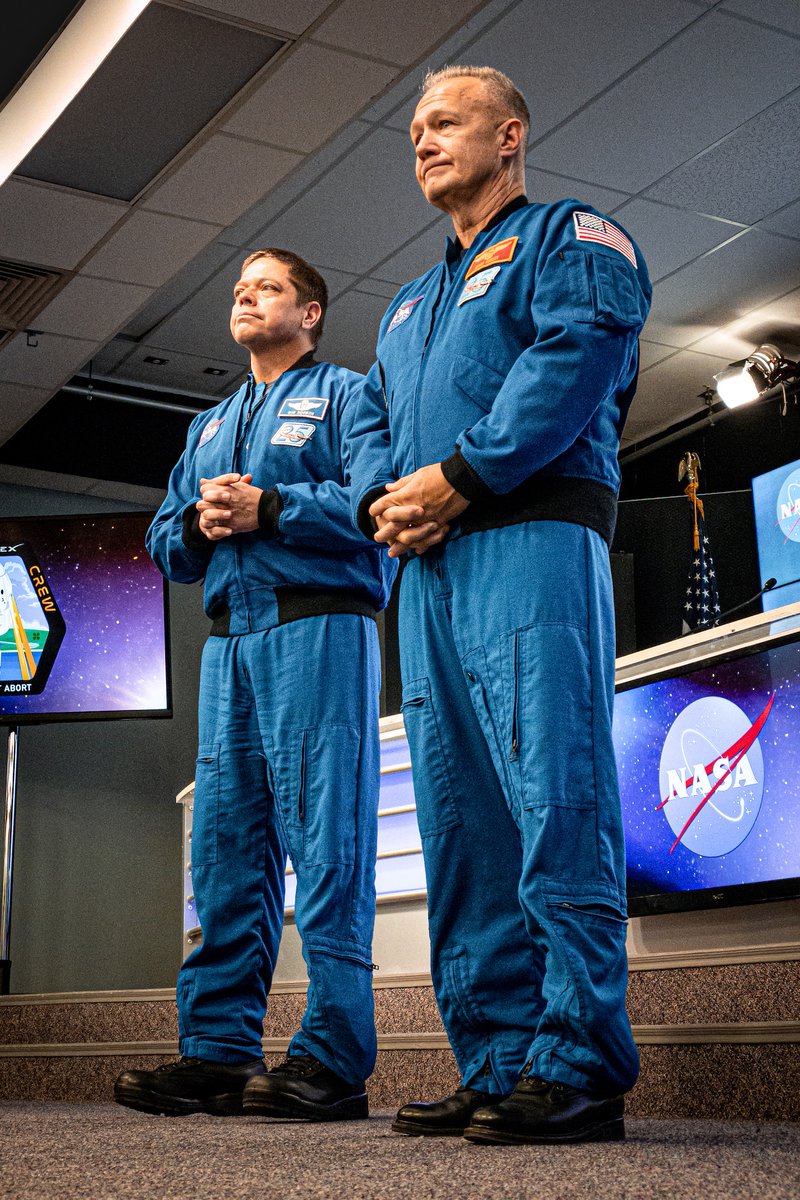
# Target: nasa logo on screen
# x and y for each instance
(788, 507)
(31, 625)
(711, 775)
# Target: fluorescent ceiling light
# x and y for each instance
(73, 58)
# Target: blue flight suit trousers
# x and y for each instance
(288, 762)
(507, 656)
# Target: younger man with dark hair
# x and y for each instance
(258, 507)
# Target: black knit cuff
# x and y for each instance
(192, 536)
(460, 475)
(367, 524)
(270, 507)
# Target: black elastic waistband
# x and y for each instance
(548, 498)
(296, 603)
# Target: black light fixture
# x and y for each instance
(154, 361)
(214, 371)
(753, 377)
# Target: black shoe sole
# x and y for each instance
(228, 1104)
(352, 1108)
(608, 1131)
(411, 1129)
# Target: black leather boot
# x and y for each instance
(539, 1111)
(190, 1085)
(303, 1088)
(442, 1118)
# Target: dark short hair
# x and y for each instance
(308, 283)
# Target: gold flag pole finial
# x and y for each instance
(689, 467)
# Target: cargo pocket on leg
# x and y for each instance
(205, 813)
(436, 809)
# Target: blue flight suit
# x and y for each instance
(521, 352)
(288, 758)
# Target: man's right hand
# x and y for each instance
(215, 516)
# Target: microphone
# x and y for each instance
(766, 587)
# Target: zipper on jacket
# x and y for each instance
(301, 798)
(514, 723)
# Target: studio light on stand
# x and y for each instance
(761, 375)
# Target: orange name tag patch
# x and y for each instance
(500, 252)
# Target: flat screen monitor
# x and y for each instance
(776, 505)
(84, 631)
(709, 768)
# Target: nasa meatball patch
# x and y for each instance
(211, 430)
(402, 314)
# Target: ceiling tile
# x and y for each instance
(787, 221)
(545, 188)
(778, 323)
(560, 53)
(670, 238)
(351, 330)
(343, 85)
(289, 16)
(93, 308)
(419, 255)
(246, 231)
(150, 247)
(165, 79)
(46, 365)
(377, 287)
(50, 226)
(222, 179)
(749, 174)
(725, 284)
(784, 14)
(377, 203)
(697, 89)
(651, 353)
(169, 298)
(668, 392)
(180, 371)
(17, 404)
(200, 326)
(380, 29)
(337, 281)
(107, 360)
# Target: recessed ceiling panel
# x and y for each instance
(784, 14)
(162, 83)
(150, 247)
(546, 188)
(47, 364)
(25, 43)
(293, 16)
(351, 330)
(669, 392)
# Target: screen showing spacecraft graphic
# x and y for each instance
(83, 620)
(709, 769)
(776, 506)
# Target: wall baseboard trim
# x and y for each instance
(741, 1033)
(657, 961)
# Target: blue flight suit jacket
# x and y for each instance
(513, 363)
(294, 437)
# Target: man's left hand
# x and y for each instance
(228, 507)
(434, 503)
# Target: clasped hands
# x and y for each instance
(228, 504)
(415, 513)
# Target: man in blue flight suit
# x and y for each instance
(505, 374)
(288, 760)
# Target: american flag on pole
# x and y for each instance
(591, 228)
(701, 607)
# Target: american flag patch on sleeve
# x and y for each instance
(591, 228)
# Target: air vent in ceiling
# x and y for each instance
(25, 291)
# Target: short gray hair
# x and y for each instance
(506, 95)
